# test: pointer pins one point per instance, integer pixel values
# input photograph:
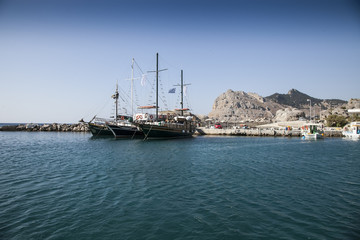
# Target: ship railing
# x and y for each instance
(125, 124)
(167, 124)
(102, 120)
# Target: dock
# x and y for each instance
(262, 132)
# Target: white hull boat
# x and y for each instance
(312, 131)
(352, 132)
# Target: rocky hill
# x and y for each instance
(239, 106)
(297, 99)
(235, 106)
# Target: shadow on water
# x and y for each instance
(101, 137)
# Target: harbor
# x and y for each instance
(233, 131)
(179, 120)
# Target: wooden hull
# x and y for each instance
(125, 131)
(167, 130)
(98, 130)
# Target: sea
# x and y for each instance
(56, 185)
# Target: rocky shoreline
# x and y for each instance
(54, 127)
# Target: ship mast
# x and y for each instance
(182, 93)
(116, 97)
(157, 86)
(132, 87)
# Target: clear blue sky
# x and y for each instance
(60, 59)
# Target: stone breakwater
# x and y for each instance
(261, 132)
(54, 127)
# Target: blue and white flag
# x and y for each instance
(172, 90)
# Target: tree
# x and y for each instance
(354, 118)
(336, 121)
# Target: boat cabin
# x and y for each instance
(355, 127)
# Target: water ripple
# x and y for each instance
(69, 186)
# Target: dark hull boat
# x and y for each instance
(167, 130)
(125, 131)
(98, 126)
(120, 127)
(98, 130)
(158, 127)
(123, 126)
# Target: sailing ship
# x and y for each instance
(123, 126)
(98, 126)
(169, 125)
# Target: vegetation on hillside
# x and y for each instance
(336, 121)
(354, 118)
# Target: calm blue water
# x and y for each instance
(70, 186)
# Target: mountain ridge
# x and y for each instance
(239, 106)
(297, 99)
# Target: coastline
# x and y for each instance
(257, 131)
